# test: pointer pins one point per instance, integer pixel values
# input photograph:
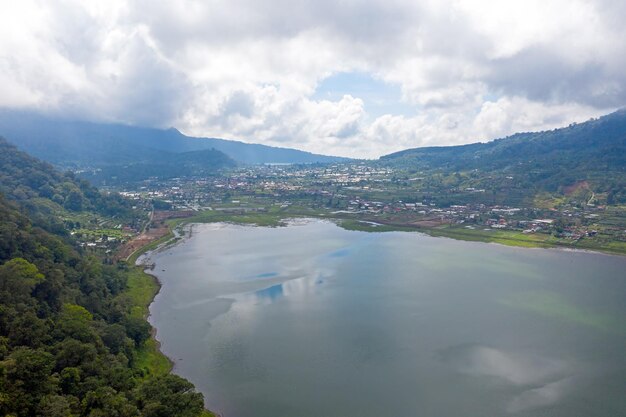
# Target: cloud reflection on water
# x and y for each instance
(546, 395)
(545, 380)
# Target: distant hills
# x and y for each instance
(598, 143)
(76, 145)
(43, 192)
(594, 150)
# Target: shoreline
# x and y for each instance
(153, 329)
(507, 238)
(282, 221)
(151, 356)
(172, 238)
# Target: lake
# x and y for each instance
(314, 320)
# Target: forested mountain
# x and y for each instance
(66, 336)
(43, 192)
(166, 165)
(68, 339)
(109, 158)
(593, 151)
(80, 144)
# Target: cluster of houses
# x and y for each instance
(347, 189)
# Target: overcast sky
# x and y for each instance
(344, 77)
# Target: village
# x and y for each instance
(363, 192)
(370, 193)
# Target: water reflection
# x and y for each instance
(543, 396)
(545, 381)
(299, 287)
(514, 367)
(267, 275)
(340, 253)
(270, 293)
(323, 321)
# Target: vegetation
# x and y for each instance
(69, 335)
(163, 165)
(593, 152)
(73, 335)
(141, 289)
(47, 194)
(275, 218)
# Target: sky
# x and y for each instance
(342, 77)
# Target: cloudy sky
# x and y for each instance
(344, 77)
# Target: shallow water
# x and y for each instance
(314, 320)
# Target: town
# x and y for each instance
(370, 196)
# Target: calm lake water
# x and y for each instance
(314, 320)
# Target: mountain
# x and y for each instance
(84, 144)
(70, 337)
(592, 151)
(41, 191)
(163, 166)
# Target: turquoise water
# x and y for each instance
(313, 320)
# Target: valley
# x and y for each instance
(364, 197)
(304, 209)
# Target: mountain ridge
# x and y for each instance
(555, 160)
(78, 144)
(613, 124)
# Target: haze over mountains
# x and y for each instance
(83, 144)
(592, 146)
(594, 150)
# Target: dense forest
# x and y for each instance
(203, 163)
(67, 339)
(108, 162)
(43, 192)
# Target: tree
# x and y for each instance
(169, 395)
(26, 380)
(54, 406)
(18, 278)
(75, 322)
(137, 329)
(106, 402)
(74, 201)
(70, 379)
(26, 329)
(72, 353)
(114, 337)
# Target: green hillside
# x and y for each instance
(70, 341)
(593, 152)
(44, 193)
(168, 165)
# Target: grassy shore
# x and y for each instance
(534, 240)
(350, 222)
(502, 237)
(142, 288)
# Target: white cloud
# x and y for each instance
(517, 114)
(248, 70)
